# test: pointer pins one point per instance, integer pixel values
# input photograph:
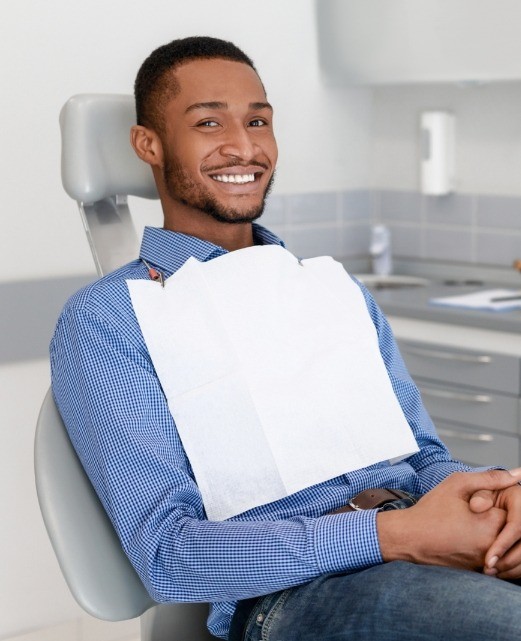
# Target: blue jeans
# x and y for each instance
(396, 601)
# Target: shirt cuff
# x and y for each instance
(435, 474)
(347, 541)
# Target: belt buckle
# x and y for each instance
(354, 506)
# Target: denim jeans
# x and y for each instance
(396, 601)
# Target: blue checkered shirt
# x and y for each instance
(117, 416)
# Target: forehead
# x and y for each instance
(217, 80)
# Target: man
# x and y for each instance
(289, 569)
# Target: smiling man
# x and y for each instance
(381, 536)
(212, 148)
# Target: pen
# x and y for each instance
(502, 299)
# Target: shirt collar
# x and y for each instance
(169, 250)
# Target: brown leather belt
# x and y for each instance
(371, 499)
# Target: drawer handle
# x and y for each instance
(451, 356)
(465, 436)
(456, 396)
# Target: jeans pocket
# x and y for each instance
(264, 615)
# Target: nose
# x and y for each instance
(238, 143)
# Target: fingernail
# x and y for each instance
(492, 563)
(490, 571)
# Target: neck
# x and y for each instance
(229, 236)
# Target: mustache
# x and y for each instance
(251, 163)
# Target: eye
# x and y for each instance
(258, 122)
(208, 124)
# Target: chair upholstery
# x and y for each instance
(98, 573)
(92, 561)
(97, 158)
(99, 171)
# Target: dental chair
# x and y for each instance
(99, 170)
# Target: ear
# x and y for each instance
(147, 145)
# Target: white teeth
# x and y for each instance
(238, 179)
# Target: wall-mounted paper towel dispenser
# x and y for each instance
(437, 153)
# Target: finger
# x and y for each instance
(515, 573)
(490, 571)
(510, 566)
(470, 482)
(481, 501)
(515, 471)
(511, 573)
(506, 539)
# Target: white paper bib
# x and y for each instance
(272, 372)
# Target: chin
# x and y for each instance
(234, 217)
(225, 213)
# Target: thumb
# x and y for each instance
(481, 501)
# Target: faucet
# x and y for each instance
(380, 250)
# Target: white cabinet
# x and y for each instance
(402, 41)
(470, 386)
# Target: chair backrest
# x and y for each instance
(98, 573)
(100, 169)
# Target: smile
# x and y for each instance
(238, 179)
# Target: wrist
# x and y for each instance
(394, 535)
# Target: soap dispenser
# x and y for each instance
(380, 250)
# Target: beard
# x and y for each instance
(183, 188)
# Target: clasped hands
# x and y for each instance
(503, 558)
(471, 520)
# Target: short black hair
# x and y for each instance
(154, 84)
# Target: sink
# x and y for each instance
(391, 282)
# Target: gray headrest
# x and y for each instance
(97, 158)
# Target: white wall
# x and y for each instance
(52, 50)
(488, 135)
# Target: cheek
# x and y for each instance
(186, 151)
(271, 150)
(201, 155)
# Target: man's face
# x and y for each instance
(219, 148)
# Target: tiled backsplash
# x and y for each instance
(331, 223)
(459, 228)
(465, 229)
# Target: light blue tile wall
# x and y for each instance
(499, 212)
(453, 210)
(496, 248)
(453, 245)
(406, 241)
(399, 206)
(330, 223)
(461, 228)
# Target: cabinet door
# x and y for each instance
(381, 42)
(476, 408)
(480, 370)
(479, 447)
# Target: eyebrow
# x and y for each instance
(254, 106)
